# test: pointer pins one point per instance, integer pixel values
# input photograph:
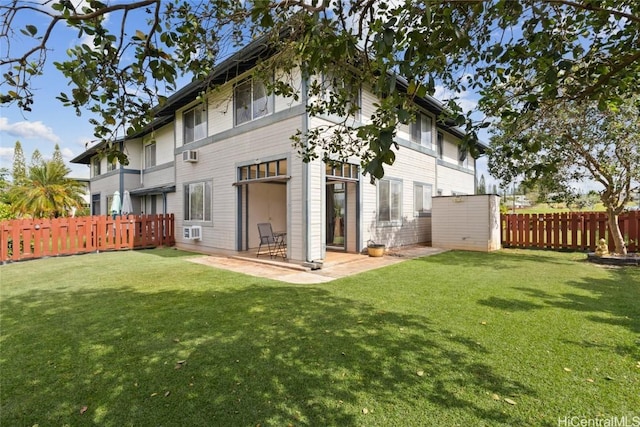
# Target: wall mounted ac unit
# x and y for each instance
(190, 156)
(192, 232)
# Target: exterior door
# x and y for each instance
(336, 214)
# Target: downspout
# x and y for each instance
(121, 174)
(437, 159)
(142, 165)
(306, 182)
(164, 203)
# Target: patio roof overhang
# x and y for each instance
(152, 190)
(268, 180)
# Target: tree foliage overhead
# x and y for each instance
(518, 55)
(572, 142)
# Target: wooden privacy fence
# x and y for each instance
(570, 230)
(36, 238)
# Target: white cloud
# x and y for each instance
(468, 101)
(6, 153)
(28, 130)
(67, 154)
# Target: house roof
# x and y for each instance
(85, 157)
(246, 58)
(235, 65)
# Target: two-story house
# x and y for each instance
(227, 163)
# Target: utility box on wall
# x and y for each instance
(466, 222)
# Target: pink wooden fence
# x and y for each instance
(36, 238)
(570, 230)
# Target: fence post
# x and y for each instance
(4, 241)
(634, 230)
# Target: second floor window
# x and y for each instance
(112, 165)
(421, 130)
(95, 166)
(440, 145)
(334, 89)
(250, 101)
(195, 124)
(150, 155)
(462, 157)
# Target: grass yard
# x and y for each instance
(146, 338)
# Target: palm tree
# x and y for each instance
(46, 192)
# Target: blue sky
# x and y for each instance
(50, 122)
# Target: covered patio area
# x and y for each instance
(336, 264)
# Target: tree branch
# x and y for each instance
(74, 18)
(591, 6)
(621, 65)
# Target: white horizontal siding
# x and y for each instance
(451, 181)
(410, 167)
(217, 162)
(156, 178)
(164, 140)
(466, 222)
(105, 186)
(317, 232)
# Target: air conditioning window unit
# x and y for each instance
(190, 156)
(192, 232)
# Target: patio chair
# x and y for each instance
(275, 242)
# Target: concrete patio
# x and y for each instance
(335, 266)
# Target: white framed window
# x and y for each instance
(250, 101)
(95, 166)
(440, 145)
(195, 124)
(197, 201)
(95, 204)
(422, 194)
(112, 165)
(462, 157)
(421, 130)
(332, 86)
(150, 155)
(389, 200)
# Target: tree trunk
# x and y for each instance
(616, 234)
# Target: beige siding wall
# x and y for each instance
(366, 105)
(133, 150)
(410, 167)
(220, 110)
(219, 104)
(164, 145)
(296, 239)
(157, 178)
(218, 163)
(317, 230)
(467, 222)
(163, 173)
(450, 148)
(453, 181)
(105, 185)
(227, 147)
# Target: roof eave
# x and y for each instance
(228, 69)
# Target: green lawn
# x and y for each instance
(146, 338)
